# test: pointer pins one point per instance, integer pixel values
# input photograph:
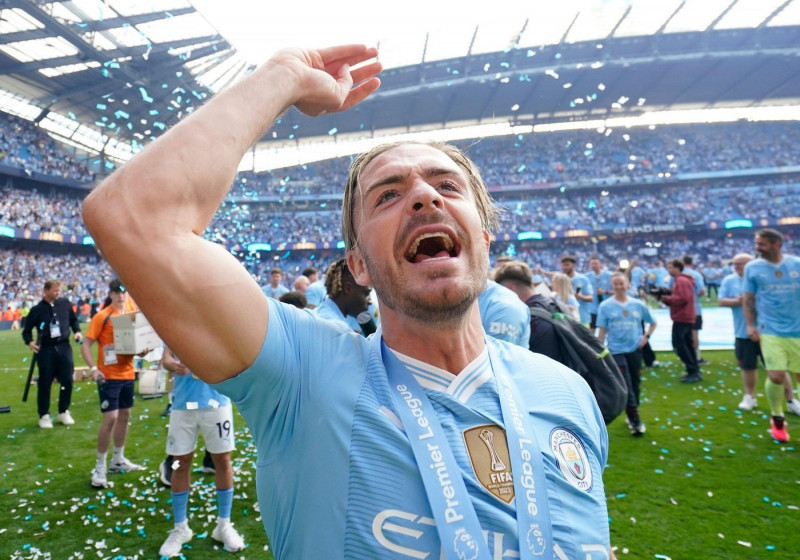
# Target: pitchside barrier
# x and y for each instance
(717, 333)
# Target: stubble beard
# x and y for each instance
(446, 307)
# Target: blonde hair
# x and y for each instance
(489, 213)
(562, 286)
(338, 273)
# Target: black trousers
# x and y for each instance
(630, 366)
(55, 362)
(683, 345)
(648, 356)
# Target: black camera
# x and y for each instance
(659, 291)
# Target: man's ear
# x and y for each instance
(358, 268)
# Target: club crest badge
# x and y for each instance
(573, 462)
(488, 452)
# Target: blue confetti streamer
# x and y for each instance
(145, 96)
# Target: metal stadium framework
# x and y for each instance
(109, 76)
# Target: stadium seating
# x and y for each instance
(638, 193)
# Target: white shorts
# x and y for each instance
(216, 425)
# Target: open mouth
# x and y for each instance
(431, 246)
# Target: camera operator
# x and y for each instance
(681, 303)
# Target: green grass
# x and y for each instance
(703, 478)
(49, 509)
(706, 480)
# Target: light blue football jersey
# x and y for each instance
(504, 315)
(699, 286)
(315, 293)
(732, 287)
(623, 323)
(638, 277)
(329, 310)
(777, 291)
(336, 476)
(602, 281)
(191, 393)
(275, 293)
(584, 307)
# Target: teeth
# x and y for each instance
(448, 243)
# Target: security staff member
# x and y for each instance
(53, 318)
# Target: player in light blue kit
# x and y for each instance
(600, 277)
(581, 287)
(503, 315)
(771, 303)
(346, 301)
(429, 439)
(620, 318)
(699, 292)
(748, 352)
(315, 293)
(198, 408)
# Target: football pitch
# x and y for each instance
(705, 481)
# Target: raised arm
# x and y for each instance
(146, 219)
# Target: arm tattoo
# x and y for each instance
(749, 308)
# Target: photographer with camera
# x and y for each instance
(681, 303)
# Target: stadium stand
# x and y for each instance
(636, 193)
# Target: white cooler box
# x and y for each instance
(153, 382)
(133, 334)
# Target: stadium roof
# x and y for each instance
(109, 74)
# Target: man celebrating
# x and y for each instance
(429, 438)
(600, 278)
(275, 288)
(581, 287)
(115, 376)
(771, 303)
(347, 301)
(747, 351)
(621, 318)
(53, 318)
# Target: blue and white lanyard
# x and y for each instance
(456, 520)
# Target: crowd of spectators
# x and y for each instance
(240, 223)
(55, 211)
(615, 208)
(26, 147)
(87, 276)
(612, 157)
(545, 182)
(25, 271)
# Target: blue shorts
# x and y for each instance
(116, 394)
